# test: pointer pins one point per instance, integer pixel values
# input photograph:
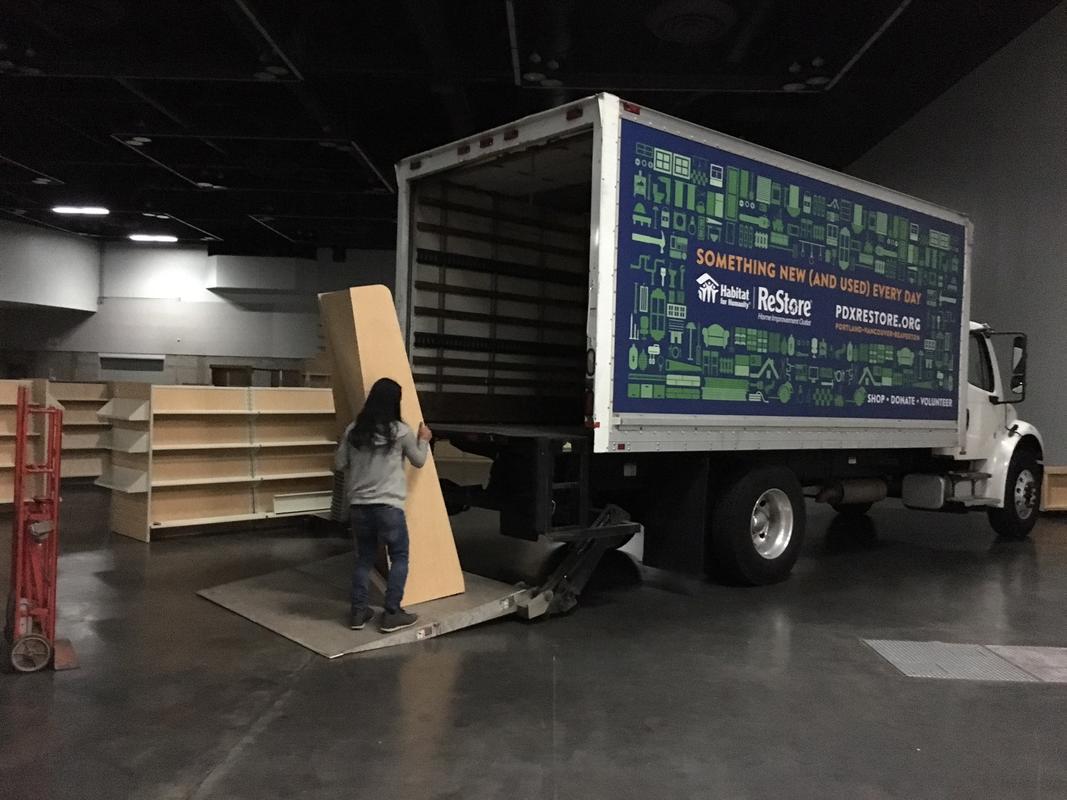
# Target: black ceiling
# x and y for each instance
(271, 126)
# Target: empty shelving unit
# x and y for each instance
(8, 413)
(86, 437)
(191, 456)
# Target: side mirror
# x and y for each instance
(1018, 368)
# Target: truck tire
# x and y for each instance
(757, 527)
(1021, 492)
(852, 509)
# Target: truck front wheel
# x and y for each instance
(1021, 492)
(757, 527)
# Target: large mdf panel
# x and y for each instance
(365, 338)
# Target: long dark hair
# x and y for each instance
(379, 416)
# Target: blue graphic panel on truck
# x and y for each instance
(743, 288)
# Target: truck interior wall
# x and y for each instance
(500, 271)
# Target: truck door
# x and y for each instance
(982, 414)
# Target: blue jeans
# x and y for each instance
(372, 524)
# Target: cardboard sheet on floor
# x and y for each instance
(309, 605)
(365, 339)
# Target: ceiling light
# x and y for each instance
(818, 80)
(265, 76)
(534, 77)
(141, 139)
(92, 211)
(794, 87)
(152, 237)
(133, 143)
(42, 181)
(275, 70)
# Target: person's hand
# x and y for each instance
(425, 434)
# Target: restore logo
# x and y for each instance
(781, 302)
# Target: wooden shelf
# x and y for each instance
(125, 409)
(291, 476)
(180, 446)
(157, 484)
(124, 479)
(203, 412)
(287, 411)
(178, 451)
(300, 443)
(195, 521)
(97, 424)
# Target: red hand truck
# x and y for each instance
(31, 616)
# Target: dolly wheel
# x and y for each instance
(31, 653)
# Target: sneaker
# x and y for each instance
(397, 620)
(359, 618)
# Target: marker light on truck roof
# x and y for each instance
(631, 108)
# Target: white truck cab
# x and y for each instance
(998, 444)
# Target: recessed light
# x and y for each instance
(91, 211)
(534, 77)
(818, 80)
(152, 237)
(794, 87)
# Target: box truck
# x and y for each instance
(625, 310)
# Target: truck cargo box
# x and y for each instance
(674, 289)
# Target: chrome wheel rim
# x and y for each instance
(771, 525)
(1025, 494)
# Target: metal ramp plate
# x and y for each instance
(974, 662)
(309, 605)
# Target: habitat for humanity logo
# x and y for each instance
(711, 291)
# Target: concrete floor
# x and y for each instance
(673, 689)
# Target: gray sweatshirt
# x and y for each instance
(377, 476)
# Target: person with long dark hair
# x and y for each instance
(372, 453)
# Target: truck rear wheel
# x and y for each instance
(1021, 492)
(757, 527)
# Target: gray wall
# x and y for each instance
(170, 301)
(995, 147)
(43, 268)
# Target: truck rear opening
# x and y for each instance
(499, 251)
